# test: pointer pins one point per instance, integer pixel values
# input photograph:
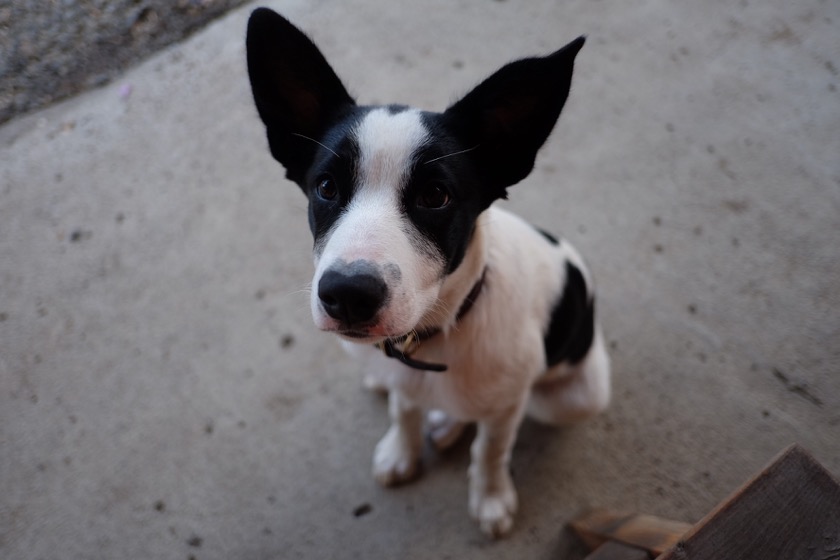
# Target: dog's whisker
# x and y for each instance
(313, 140)
(440, 311)
(306, 290)
(450, 155)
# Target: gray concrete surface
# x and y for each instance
(50, 50)
(163, 393)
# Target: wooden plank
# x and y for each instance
(642, 531)
(788, 511)
(617, 551)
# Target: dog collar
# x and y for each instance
(411, 341)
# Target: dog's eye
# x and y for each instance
(433, 197)
(327, 188)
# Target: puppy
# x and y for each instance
(461, 308)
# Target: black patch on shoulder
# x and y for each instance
(572, 326)
(551, 238)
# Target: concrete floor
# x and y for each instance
(163, 393)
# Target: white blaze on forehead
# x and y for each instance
(387, 144)
(372, 226)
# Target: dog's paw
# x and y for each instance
(443, 430)
(395, 460)
(494, 510)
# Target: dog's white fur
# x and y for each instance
(495, 354)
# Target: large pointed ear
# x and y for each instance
(298, 95)
(508, 117)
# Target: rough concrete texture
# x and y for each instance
(165, 395)
(49, 50)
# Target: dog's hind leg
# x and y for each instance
(443, 430)
(575, 395)
(376, 381)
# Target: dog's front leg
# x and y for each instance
(493, 500)
(397, 455)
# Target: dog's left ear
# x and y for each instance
(509, 115)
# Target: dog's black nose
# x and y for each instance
(352, 298)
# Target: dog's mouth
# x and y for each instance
(372, 334)
(366, 335)
(352, 333)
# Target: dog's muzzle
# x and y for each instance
(354, 295)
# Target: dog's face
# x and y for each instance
(391, 214)
(394, 193)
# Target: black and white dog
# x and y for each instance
(459, 308)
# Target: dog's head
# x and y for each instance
(394, 193)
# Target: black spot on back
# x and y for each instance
(572, 326)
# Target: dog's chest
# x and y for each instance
(480, 380)
(497, 350)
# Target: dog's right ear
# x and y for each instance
(298, 95)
